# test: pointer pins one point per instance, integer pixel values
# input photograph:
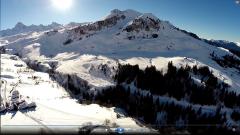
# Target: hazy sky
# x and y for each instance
(218, 19)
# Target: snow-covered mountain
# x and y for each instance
(88, 54)
(226, 44)
(234, 47)
(22, 28)
(120, 35)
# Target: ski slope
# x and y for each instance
(55, 110)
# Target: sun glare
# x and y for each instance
(62, 4)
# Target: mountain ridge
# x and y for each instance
(118, 37)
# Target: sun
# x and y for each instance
(62, 4)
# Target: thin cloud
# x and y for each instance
(237, 2)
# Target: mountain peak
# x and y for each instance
(149, 15)
(20, 25)
(22, 28)
(129, 13)
(54, 24)
(116, 11)
(131, 10)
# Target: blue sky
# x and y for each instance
(218, 19)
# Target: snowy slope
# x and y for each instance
(90, 68)
(54, 105)
(129, 36)
(225, 44)
(238, 43)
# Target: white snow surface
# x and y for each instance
(54, 105)
(87, 67)
(112, 44)
(238, 43)
(129, 13)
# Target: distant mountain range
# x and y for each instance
(137, 24)
(22, 28)
(231, 46)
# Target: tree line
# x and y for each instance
(146, 109)
(179, 84)
(175, 83)
(227, 61)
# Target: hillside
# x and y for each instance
(54, 104)
(84, 59)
